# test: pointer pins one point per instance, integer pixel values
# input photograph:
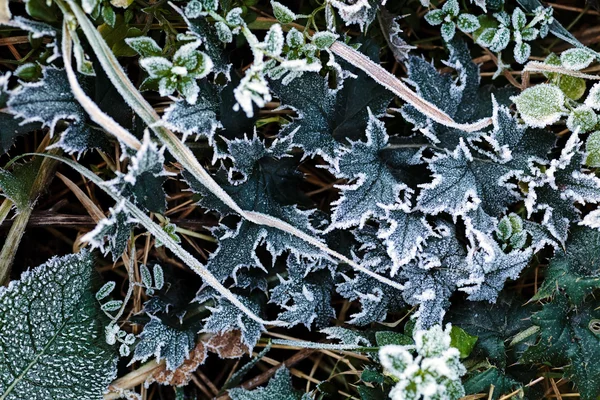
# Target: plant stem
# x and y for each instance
(5, 208)
(11, 245)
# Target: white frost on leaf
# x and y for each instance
(540, 105)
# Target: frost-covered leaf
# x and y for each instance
(112, 233)
(576, 59)
(144, 46)
(305, 294)
(282, 12)
(269, 187)
(555, 190)
(391, 30)
(47, 101)
(198, 119)
(371, 185)
(462, 99)
(405, 234)
(172, 344)
(592, 148)
(211, 43)
(226, 317)
(467, 23)
(80, 137)
(574, 272)
(278, 388)
(540, 105)
(490, 272)
(50, 334)
(593, 99)
(434, 275)
(582, 119)
(346, 336)
(376, 298)
(360, 12)
(335, 116)
(567, 339)
(144, 178)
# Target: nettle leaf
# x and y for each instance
(47, 101)
(305, 295)
(371, 186)
(144, 178)
(335, 117)
(376, 299)
(568, 339)
(111, 234)
(575, 271)
(270, 187)
(164, 342)
(278, 388)
(51, 334)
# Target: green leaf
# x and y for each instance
(435, 17)
(540, 105)
(592, 147)
(481, 382)
(372, 375)
(324, 40)
(51, 334)
(462, 341)
(144, 46)
(16, 185)
(582, 119)
(282, 13)
(369, 393)
(492, 324)
(11, 128)
(115, 37)
(109, 15)
(568, 340)
(467, 23)
(278, 388)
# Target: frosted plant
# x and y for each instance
(433, 373)
(450, 18)
(187, 66)
(541, 105)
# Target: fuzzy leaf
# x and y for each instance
(576, 59)
(51, 334)
(540, 105)
(198, 119)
